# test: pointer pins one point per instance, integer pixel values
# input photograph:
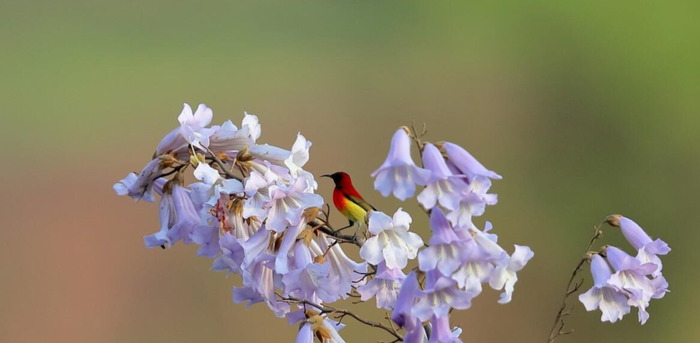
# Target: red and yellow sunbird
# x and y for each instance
(347, 200)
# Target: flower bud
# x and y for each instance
(613, 220)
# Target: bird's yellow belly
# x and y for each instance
(354, 212)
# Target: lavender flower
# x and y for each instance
(446, 251)
(486, 261)
(305, 334)
(441, 332)
(310, 281)
(213, 185)
(207, 237)
(259, 286)
(282, 264)
(403, 310)
(252, 125)
(441, 295)
(193, 125)
(611, 301)
(228, 137)
(391, 243)
(177, 217)
(647, 249)
(172, 142)
(298, 156)
(443, 187)
(287, 202)
(464, 163)
(321, 327)
(385, 286)
(348, 272)
(473, 202)
(231, 254)
(504, 276)
(630, 277)
(398, 174)
(265, 227)
(141, 186)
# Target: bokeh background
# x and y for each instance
(586, 109)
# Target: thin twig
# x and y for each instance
(571, 288)
(378, 325)
(416, 137)
(223, 166)
(342, 313)
(335, 234)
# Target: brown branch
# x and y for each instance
(223, 166)
(378, 325)
(571, 288)
(341, 314)
(335, 234)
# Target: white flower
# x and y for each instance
(299, 156)
(213, 184)
(504, 276)
(287, 202)
(391, 242)
(399, 174)
(193, 126)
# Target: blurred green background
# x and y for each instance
(586, 109)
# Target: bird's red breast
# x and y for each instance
(347, 199)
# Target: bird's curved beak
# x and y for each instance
(325, 175)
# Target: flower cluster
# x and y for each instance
(635, 280)
(459, 257)
(253, 209)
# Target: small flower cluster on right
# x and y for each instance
(459, 256)
(635, 280)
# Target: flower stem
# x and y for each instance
(342, 314)
(558, 328)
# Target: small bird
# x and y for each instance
(347, 200)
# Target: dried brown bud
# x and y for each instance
(236, 207)
(613, 220)
(590, 254)
(440, 145)
(278, 242)
(311, 213)
(310, 313)
(222, 156)
(244, 155)
(323, 334)
(307, 235)
(271, 241)
(250, 220)
(319, 259)
(167, 160)
(315, 320)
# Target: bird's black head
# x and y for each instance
(339, 178)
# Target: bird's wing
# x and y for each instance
(360, 202)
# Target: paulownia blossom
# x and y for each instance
(391, 242)
(635, 281)
(399, 174)
(254, 210)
